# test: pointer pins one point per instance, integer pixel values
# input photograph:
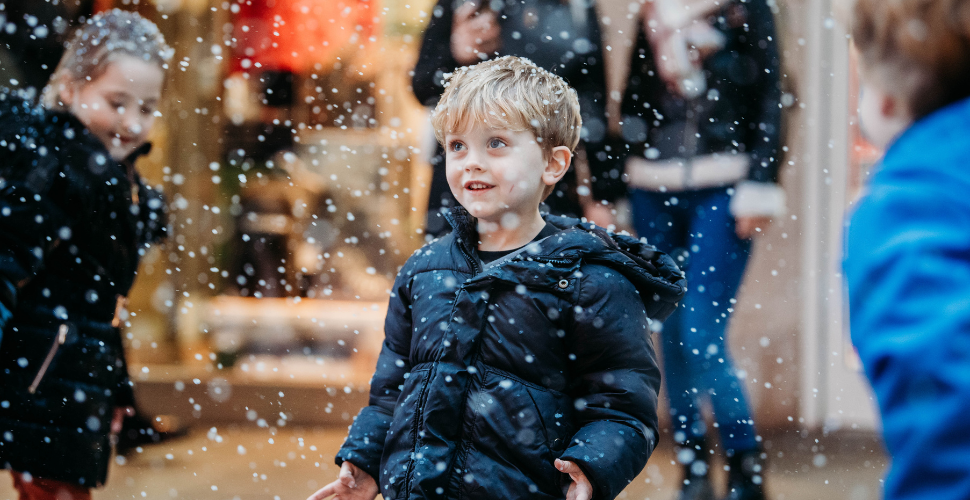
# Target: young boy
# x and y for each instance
(908, 251)
(517, 362)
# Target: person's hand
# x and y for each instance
(746, 227)
(600, 214)
(119, 416)
(580, 487)
(474, 34)
(351, 484)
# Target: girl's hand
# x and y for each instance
(351, 484)
(747, 227)
(119, 416)
(474, 33)
(600, 214)
(579, 488)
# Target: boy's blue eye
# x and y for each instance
(496, 143)
(456, 146)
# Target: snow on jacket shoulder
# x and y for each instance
(487, 375)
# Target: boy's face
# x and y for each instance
(118, 106)
(498, 175)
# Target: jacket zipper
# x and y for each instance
(422, 398)
(418, 412)
(476, 269)
(61, 337)
(547, 260)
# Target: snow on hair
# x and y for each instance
(510, 93)
(96, 43)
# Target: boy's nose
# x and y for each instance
(473, 161)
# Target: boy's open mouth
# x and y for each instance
(477, 186)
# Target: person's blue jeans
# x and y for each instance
(698, 231)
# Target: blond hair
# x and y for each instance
(98, 42)
(921, 46)
(510, 93)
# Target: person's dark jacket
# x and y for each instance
(70, 241)
(31, 40)
(487, 375)
(546, 32)
(739, 112)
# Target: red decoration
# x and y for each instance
(295, 35)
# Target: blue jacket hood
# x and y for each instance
(935, 145)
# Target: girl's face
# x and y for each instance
(118, 106)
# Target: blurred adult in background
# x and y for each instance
(701, 124)
(32, 39)
(562, 36)
(907, 260)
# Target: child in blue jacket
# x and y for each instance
(907, 256)
(517, 362)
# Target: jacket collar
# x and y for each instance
(945, 130)
(653, 272)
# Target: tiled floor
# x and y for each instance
(258, 463)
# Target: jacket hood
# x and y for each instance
(655, 275)
(934, 147)
(47, 138)
(51, 153)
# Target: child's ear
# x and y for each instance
(559, 160)
(890, 106)
(65, 91)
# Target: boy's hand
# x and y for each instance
(579, 488)
(351, 484)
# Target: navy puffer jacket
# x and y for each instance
(487, 375)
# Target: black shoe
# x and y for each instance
(746, 477)
(693, 455)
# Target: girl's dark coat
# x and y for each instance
(488, 375)
(70, 241)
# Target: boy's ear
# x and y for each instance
(559, 160)
(889, 106)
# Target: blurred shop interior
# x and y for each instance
(295, 160)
